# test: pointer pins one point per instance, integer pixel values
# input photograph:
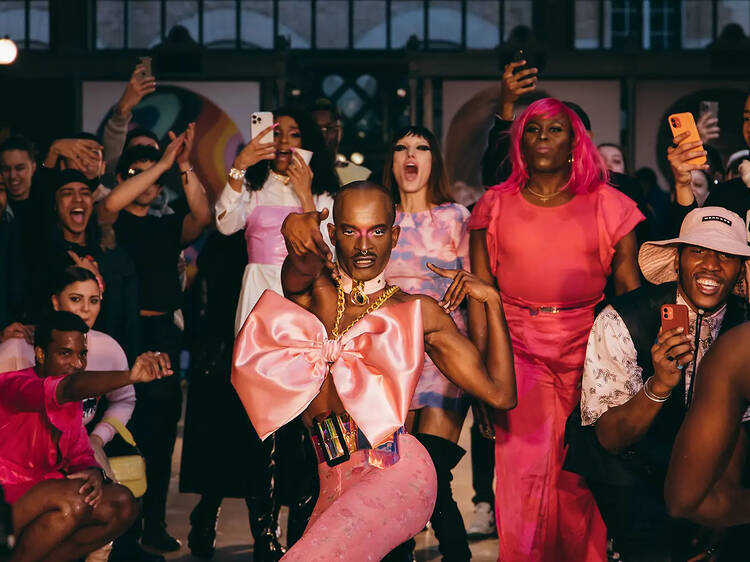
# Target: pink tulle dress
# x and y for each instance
(439, 236)
(557, 258)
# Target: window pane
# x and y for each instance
(587, 24)
(332, 22)
(39, 24)
(295, 21)
(482, 24)
(109, 24)
(407, 20)
(662, 21)
(219, 24)
(12, 22)
(144, 24)
(369, 24)
(184, 13)
(697, 24)
(445, 24)
(733, 11)
(257, 24)
(623, 22)
(517, 16)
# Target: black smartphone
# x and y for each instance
(518, 56)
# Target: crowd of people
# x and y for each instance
(342, 324)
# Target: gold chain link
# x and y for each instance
(340, 302)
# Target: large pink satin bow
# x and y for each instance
(282, 356)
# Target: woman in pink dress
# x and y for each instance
(434, 229)
(549, 237)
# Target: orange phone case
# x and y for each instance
(681, 122)
(674, 316)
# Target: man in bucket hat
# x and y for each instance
(638, 380)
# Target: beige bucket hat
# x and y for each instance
(715, 228)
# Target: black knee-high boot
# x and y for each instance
(263, 510)
(446, 519)
(203, 520)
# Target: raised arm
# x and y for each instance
(703, 481)
(308, 254)
(128, 191)
(85, 384)
(200, 211)
(493, 380)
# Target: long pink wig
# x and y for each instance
(587, 172)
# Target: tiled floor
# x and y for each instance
(233, 538)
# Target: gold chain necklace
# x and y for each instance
(279, 177)
(340, 303)
(543, 197)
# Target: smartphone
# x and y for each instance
(674, 316)
(682, 122)
(711, 107)
(261, 120)
(146, 62)
(306, 154)
(519, 55)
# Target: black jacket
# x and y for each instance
(733, 195)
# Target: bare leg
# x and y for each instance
(52, 521)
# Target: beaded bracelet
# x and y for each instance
(651, 396)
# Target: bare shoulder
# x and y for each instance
(434, 317)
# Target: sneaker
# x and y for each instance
(483, 523)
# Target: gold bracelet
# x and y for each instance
(651, 396)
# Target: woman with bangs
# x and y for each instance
(434, 229)
(549, 236)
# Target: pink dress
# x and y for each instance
(548, 257)
(439, 236)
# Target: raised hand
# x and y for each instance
(303, 238)
(464, 284)
(515, 85)
(301, 175)
(151, 366)
(255, 151)
(138, 87)
(708, 127)
(18, 330)
(174, 148)
(679, 159)
(183, 152)
(670, 355)
(83, 153)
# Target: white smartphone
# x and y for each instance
(306, 154)
(261, 120)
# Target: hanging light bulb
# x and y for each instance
(8, 50)
(357, 158)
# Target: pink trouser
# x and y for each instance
(364, 512)
(544, 513)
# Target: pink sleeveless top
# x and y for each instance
(283, 355)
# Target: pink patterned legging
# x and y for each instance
(364, 512)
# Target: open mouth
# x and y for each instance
(707, 285)
(411, 170)
(78, 216)
(281, 154)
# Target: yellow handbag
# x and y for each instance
(130, 470)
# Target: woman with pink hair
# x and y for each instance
(549, 237)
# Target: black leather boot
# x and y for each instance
(402, 553)
(203, 521)
(262, 509)
(446, 518)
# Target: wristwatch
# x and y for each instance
(236, 174)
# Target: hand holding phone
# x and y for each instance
(682, 123)
(260, 121)
(518, 79)
(146, 63)
(708, 121)
(672, 350)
